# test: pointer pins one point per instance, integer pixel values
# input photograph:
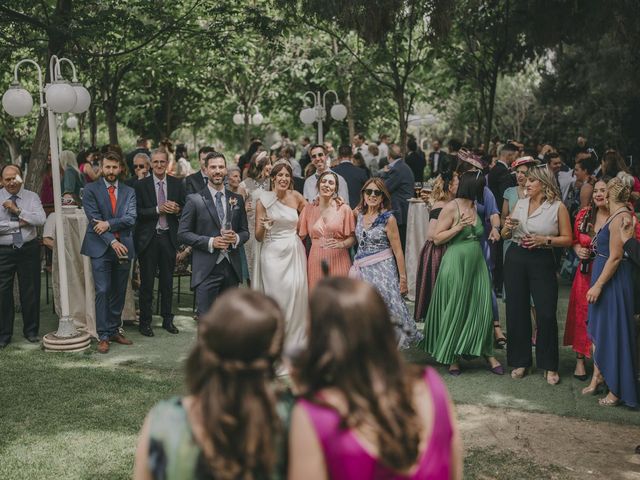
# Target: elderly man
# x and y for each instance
(319, 159)
(141, 168)
(20, 214)
(159, 200)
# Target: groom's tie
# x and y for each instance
(220, 210)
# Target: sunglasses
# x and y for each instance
(138, 167)
(372, 193)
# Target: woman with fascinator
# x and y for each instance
(233, 422)
(444, 190)
(459, 319)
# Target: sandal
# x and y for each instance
(609, 402)
(501, 342)
(584, 376)
(594, 389)
(551, 379)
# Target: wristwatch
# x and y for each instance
(549, 241)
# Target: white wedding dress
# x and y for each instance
(280, 270)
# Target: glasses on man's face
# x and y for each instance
(138, 167)
(372, 193)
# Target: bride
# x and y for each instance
(280, 263)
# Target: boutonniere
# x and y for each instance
(233, 202)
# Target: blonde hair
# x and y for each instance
(68, 159)
(550, 189)
(619, 188)
(440, 191)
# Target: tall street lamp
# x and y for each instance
(60, 96)
(318, 113)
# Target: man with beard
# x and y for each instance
(110, 206)
(214, 224)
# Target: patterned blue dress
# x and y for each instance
(384, 277)
(611, 326)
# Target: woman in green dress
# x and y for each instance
(459, 319)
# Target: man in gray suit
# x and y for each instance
(398, 178)
(214, 224)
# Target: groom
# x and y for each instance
(214, 223)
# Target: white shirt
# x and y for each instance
(310, 190)
(436, 161)
(565, 182)
(213, 192)
(383, 151)
(31, 212)
(543, 221)
(115, 184)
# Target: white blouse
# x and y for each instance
(543, 221)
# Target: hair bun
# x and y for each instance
(625, 179)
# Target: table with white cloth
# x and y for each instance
(417, 228)
(82, 295)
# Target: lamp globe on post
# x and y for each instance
(308, 116)
(238, 118)
(72, 122)
(61, 97)
(338, 112)
(83, 98)
(16, 101)
(257, 118)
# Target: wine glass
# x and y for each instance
(417, 186)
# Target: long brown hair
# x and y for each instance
(279, 165)
(386, 196)
(230, 371)
(353, 349)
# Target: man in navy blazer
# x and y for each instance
(110, 206)
(398, 178)
(214, 224)
(355, 177)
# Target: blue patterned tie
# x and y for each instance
(220, 210)
(18, 241)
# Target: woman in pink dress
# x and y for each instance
(363, 411)
(332, 231)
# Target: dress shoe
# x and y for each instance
(121, 339)
(170, 327)
(146, 330)
(103, 346)
(33, 339)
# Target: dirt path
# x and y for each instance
(580, 448)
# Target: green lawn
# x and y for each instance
(76, 416)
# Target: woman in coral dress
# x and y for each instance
(332, 231)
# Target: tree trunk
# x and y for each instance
(82, 119)
(93, 125)
(402, 118)
(490, 107)
(39, 153)
(110, 112)
(351, 124)
(13, 144)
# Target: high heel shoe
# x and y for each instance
(609, 402)
(584, 376)
(501, 342)
(593, 389)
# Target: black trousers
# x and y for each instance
(531, 273)
(402, 231)
(498, 274)
(221, 278)
(159, 256)
(25, 262)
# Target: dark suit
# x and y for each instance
(194, 183)
(417, 163)
(109, 274)
(355, 177)
(499, 179)
(444, 163)
(156, 248)
(399, 181)
(199, 223)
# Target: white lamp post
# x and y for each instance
(61, 97)
(318, 113)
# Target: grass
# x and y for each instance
(77, 416)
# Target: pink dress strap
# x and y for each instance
(345, 458)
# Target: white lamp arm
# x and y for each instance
(40, 85)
